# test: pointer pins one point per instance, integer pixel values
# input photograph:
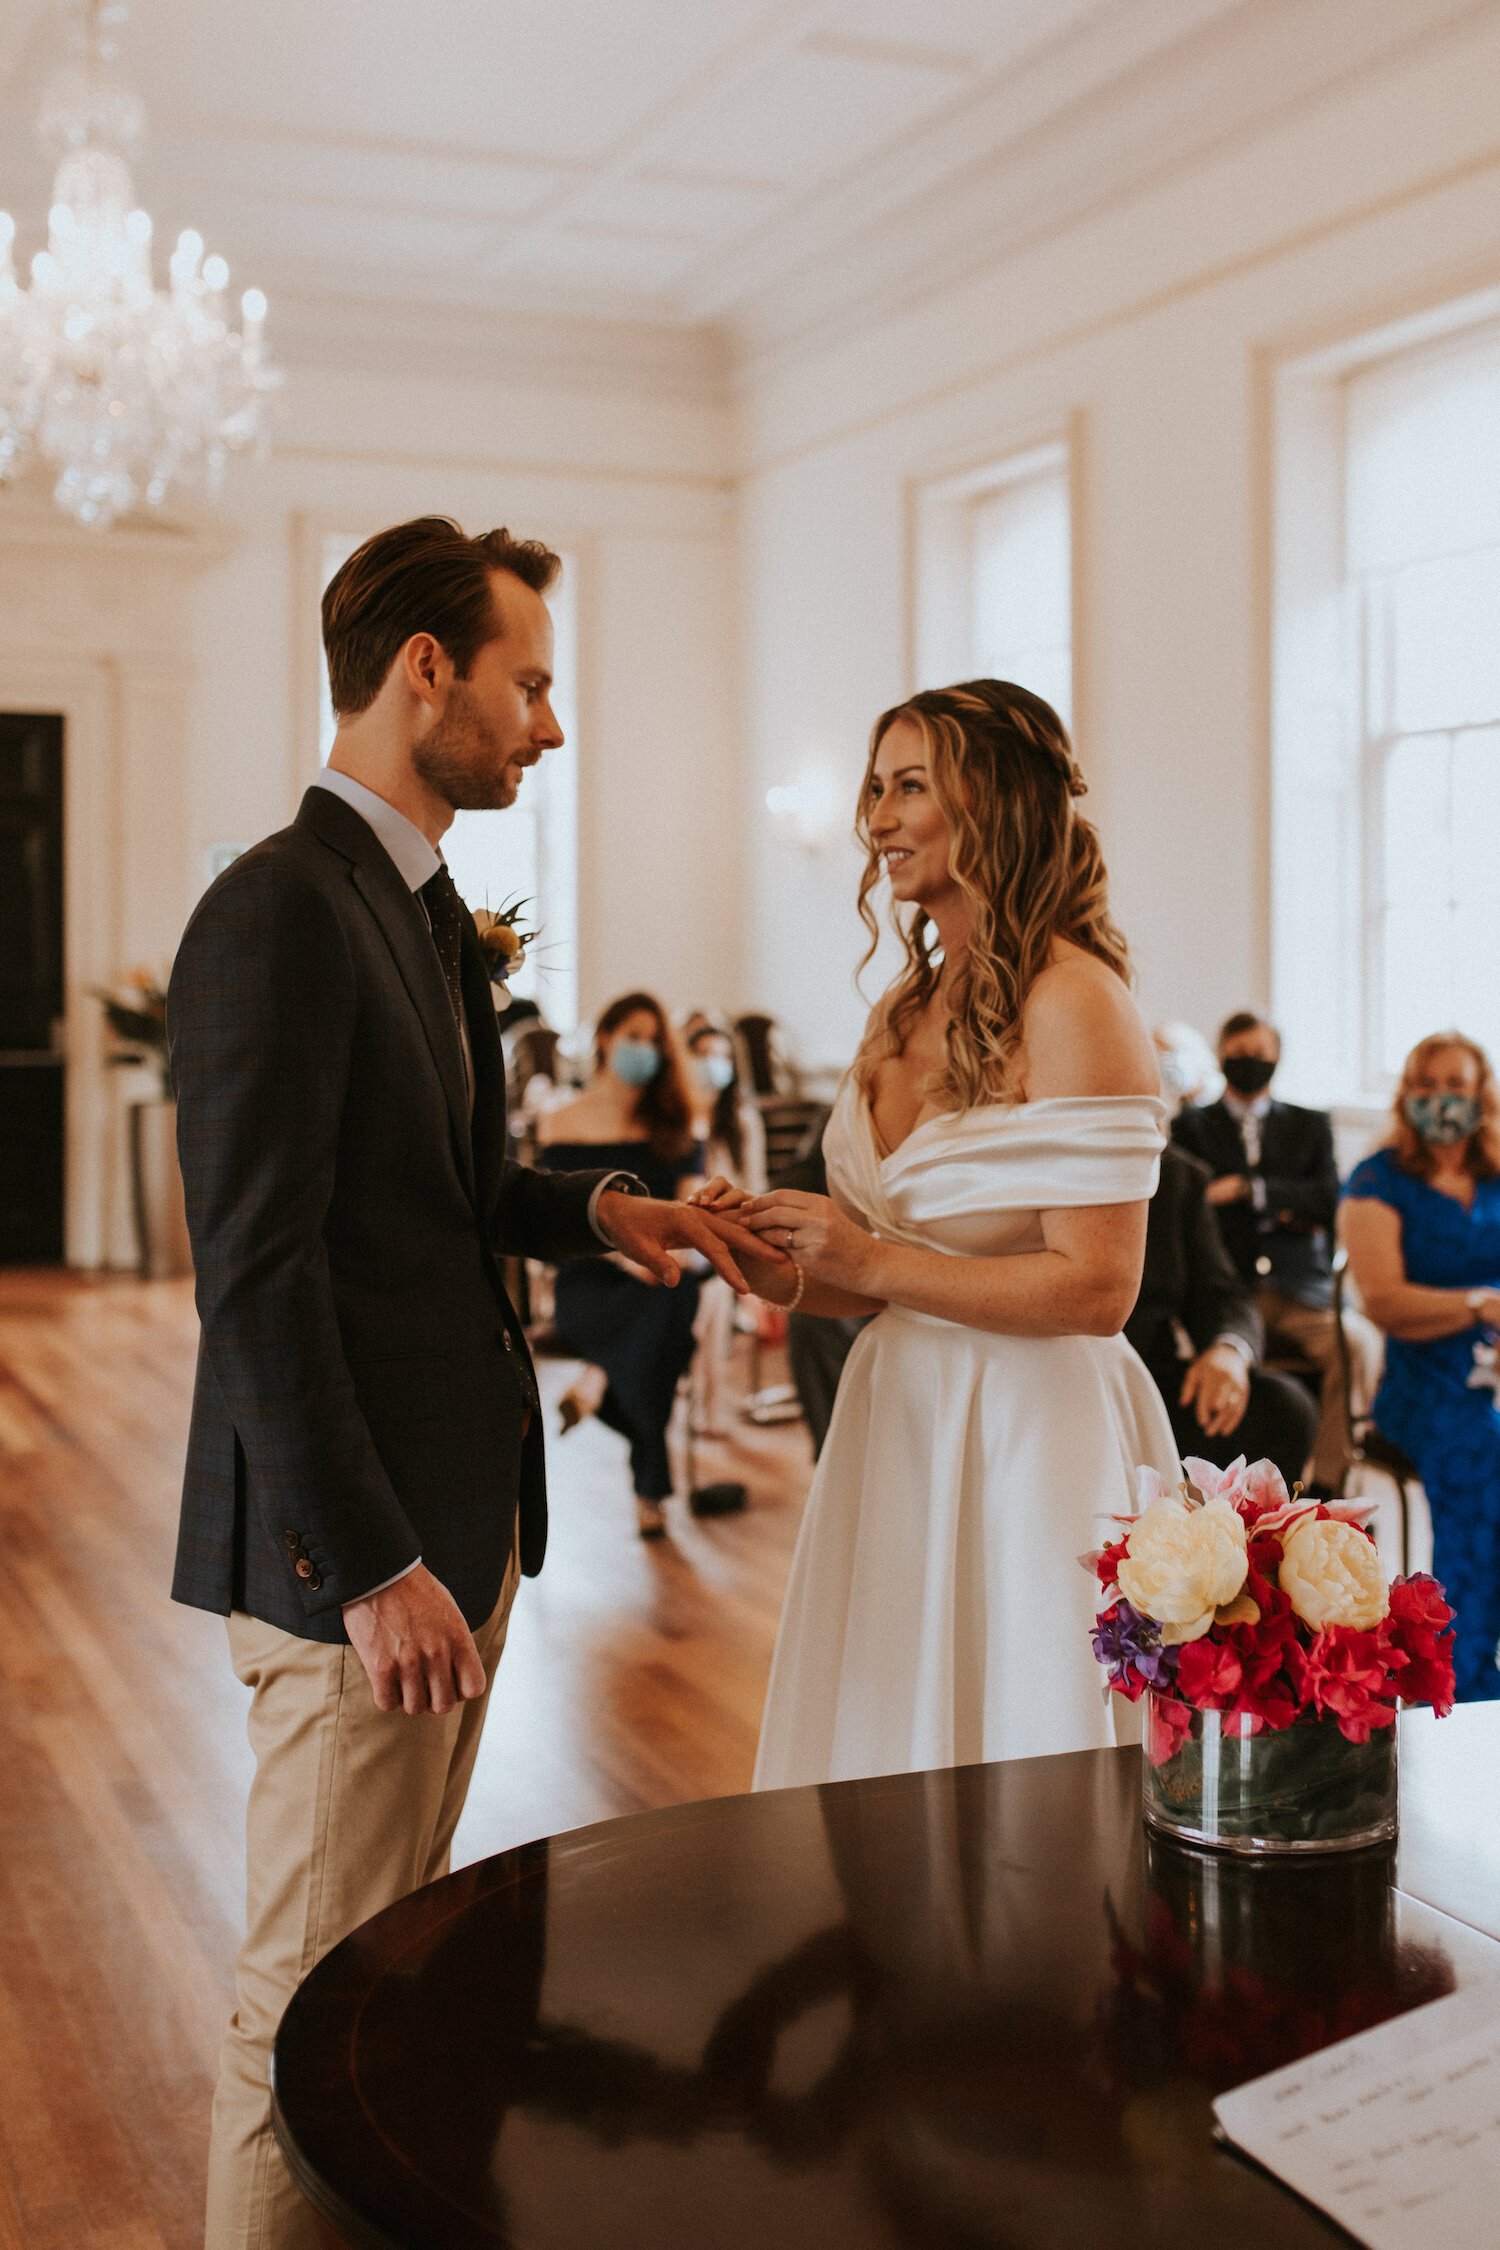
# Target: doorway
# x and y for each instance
(31, 989)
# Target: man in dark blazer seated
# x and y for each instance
(1275, 1192)
(1196, 1327)
(364, 1477)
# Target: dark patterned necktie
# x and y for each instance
(447, 914)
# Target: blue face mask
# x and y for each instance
(713, 1072)
(1442, 1120)
(635, 1062)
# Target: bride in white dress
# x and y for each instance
(990, 1158)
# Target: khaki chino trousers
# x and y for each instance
(1312, 1330)
(349, 1810)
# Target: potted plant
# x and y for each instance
(1270, 1657)
(136, 1013)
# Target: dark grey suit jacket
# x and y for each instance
(1286, 1245)
(364, 1391)
(1187, 1277)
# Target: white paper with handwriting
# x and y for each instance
(1395, 2133)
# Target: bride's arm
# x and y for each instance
(1083, 1283)
(1083, 1037)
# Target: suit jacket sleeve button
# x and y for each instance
(313, 1581)
(291, 1540)
(304, 1568)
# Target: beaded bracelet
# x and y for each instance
(795, 1298)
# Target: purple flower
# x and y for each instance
(1130, 1647)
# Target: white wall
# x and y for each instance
(1150, 327)
(634, 486)
(185, 657)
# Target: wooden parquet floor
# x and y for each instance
(633, 1678)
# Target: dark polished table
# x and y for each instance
(963, 2008)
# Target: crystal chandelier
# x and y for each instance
(121, 387)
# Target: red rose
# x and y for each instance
(1417, 1606)
(1419, 1630)
(1208, 1674)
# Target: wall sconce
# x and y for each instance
(808, 812)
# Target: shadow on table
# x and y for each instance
(1007, 2023)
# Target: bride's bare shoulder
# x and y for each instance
(1082, 1032)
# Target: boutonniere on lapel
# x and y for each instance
(504, 939)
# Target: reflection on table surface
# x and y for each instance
(967, 2007)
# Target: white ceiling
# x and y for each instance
(592, 155)
(649, 160)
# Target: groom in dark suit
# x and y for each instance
(364, 1478)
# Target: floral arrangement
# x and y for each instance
(1230, 1594)
(136, 1012)
(503, 939)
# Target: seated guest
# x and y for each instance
(1196, 1327)
(728, 1124)
(725, 1116)
(1275, 1190)
(636, 1113)
(1421, 1220)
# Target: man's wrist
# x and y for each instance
(394, 1580)
(613, 1183)
(1239, 1345)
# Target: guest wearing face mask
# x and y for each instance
(1275, 1190)
(1421, 1221)
(729, 1128)
(636, 1113)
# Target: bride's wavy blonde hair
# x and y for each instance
(1029, 865)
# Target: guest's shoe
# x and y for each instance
(569, 1412)
(649, 1519)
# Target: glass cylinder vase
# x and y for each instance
(1217, 1778)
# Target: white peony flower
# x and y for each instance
(1182, 1564)
(1331, 1574)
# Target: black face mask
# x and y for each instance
(1248, 1074)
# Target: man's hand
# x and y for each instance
(415, 1646)
(1233, 1188)
(1217, 1388)
(649, 1231)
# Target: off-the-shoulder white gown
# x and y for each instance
(936, 1612)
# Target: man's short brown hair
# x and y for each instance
(426, 576)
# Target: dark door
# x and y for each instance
(31, 989)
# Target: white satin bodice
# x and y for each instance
(975, 1184)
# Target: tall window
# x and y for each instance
(1423, 563)
(1386, 733)
(530, 851)
(994, 596)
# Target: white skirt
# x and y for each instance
(937, 1613)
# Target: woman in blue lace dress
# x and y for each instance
(1421, 1219)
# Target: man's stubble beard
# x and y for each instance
(462, 759)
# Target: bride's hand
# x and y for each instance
(813, 1230)
(721, 1195)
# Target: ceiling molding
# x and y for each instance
(1248, 63)
(552, 350)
